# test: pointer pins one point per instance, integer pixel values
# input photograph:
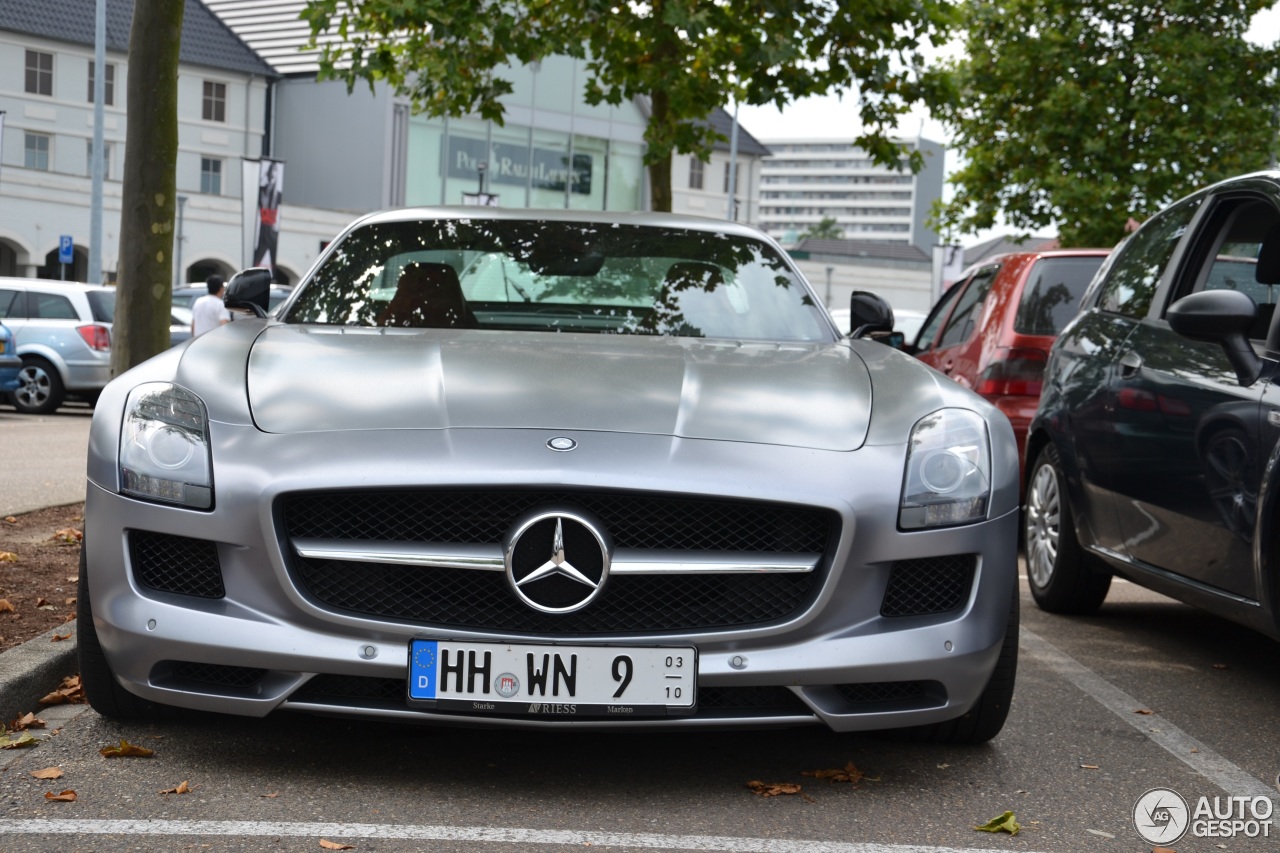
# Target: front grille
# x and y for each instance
(628, 604)
(176, 564)
(892, 692)
(928, 585)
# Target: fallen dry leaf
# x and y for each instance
(270, 796)
(126, 749)
(5, 606)
(57, 638)
(334, 845)
(11, 519)
(67, 796)
(1089, 767)
(48, 773)
(27, 721)
(1164, 850)
(1004, 823)
(772, 789)
(8, 557)
(850, 774)
(69, 601)
(17, 740)
(68, 535)
(70, 692)
(1146, 712)
(181, 788)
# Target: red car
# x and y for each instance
(991, 331)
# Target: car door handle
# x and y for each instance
(1130, 363)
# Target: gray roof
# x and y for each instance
(205, 39)
(275, 29)
(748, 145)
(864, 249)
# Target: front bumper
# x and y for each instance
(837, 661)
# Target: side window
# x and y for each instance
(11, 304)
(968, 309)
(51, 306)
(1136, 272)
(930, 328)
(1238, 230)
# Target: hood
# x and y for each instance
(310, 379)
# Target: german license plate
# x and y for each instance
(547, 680)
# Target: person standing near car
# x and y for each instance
(209, 311)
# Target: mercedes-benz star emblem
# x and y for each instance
(557, 560)
(562, 443)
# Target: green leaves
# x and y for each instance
(1082, 113)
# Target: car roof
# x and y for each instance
(53, 285)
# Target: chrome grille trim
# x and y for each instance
(489, 558)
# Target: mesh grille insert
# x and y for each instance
(928, 585)
(176, 564)
(209, 674)
(882, 692)
(351, 689)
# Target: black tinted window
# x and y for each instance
(1052, 294)
(1136, 272)
(103, 305)
(927, 332)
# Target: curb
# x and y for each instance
(33, 669)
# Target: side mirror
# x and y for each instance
(1222, 317)
(250, 289)
(868, 313)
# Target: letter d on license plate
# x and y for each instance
(527, 678)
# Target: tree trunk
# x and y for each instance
(145, 269)
(660, 168)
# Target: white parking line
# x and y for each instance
(1160, 730)
(492, 834)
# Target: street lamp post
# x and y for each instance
(830, 270)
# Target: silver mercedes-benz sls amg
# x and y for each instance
(545, 469)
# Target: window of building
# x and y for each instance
(695, 173)
(106, 159)
(737, 175)
(215, 101)
(108, 84)
(35, 151)
(39, 73)
(210, 176)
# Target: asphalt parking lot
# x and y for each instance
(1148, 694)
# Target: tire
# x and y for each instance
(1062, 576)
(40, 390)
(104, 693)
(987, 716)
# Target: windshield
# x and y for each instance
(560, 277)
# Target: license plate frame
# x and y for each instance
(571, 680)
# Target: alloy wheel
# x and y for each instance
(1043, 525)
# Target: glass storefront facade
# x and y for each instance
(555, 150)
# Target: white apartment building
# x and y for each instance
(804, 181)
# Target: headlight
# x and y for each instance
(948, 477)
(164, 446)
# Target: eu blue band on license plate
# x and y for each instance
(552, 680)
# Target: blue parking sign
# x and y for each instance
(66, 249)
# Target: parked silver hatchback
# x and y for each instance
(63, 336)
